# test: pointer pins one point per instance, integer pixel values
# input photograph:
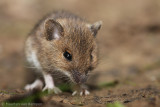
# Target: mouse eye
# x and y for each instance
(67, 55)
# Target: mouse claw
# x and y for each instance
(74, 93)
(55, 90)
(83, 92)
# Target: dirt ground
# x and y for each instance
(129, 50)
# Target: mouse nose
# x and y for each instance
(78, 77)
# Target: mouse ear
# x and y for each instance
(53, 29)
(95, 27)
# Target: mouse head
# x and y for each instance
(73, 48)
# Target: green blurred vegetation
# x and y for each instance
(115, 104)
(108, 84)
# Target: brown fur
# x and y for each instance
(76, 38)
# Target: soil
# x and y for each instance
(129, 51)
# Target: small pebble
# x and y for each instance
(124, 94)
(19, 91)
(127, 101)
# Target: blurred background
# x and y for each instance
(129, 41)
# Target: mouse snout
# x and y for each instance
(78, 77)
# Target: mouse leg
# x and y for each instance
(37, 84)
(49, 84)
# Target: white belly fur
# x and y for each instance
(31, 55)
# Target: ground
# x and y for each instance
(129, 51)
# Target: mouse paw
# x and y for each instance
(55, 90)
(37, 84)
(82, 92)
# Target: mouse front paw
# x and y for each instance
(82, 92)
(37, 84)
(55, 90)
(28, 87)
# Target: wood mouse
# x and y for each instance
(65, 43)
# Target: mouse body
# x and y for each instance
(62, 42)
